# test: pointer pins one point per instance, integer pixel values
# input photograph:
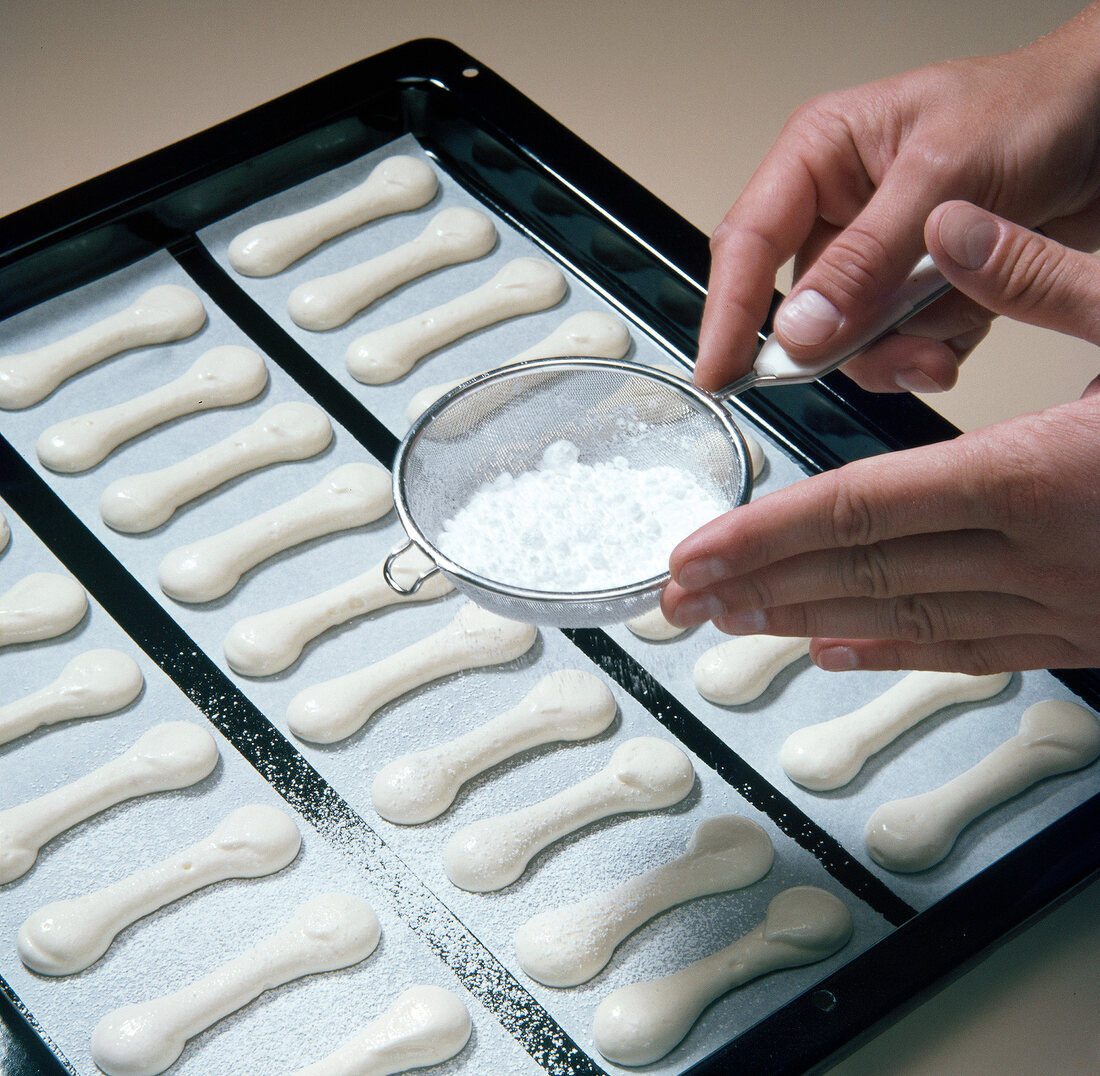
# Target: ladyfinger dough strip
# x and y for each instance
(740, 670)
(326, 933)
(594, 334)
(453, 236)
(334, 709)
(398, 184)
(640, 1023)
(523, 286)
(643, 774)
(913, 834)
(93, 683)
(223, 376)
(570, 944)
(829, 754)
(161, 314)
(425, 1025)
(653, 627)
(350, 496)
(42, 605)
(565, 705)
(287, 431)
(68, 936)
(269, 642)
(172, 755)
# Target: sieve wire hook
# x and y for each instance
(391, 579)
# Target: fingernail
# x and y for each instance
(696, 609)
(917, 381)
(750, 622)
(968, 236)
(837, 659)
(808, 318)
(702, 572)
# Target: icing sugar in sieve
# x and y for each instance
(553, 491)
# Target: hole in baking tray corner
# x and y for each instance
(825, 1000)
(470, 72)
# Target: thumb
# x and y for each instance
(1016, 272)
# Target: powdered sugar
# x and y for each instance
(572, 527)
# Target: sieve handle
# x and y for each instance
(773, 366)
(391, 579)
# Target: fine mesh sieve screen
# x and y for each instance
(503, 422)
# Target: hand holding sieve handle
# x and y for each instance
(773, 366)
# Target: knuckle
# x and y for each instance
(721, 236)
(982, 657)
(916, 619)
(1035, 271)
(755, 592)
(851, 518)
(933, 164)
(865, 573)
(851, 266)
(822, 112)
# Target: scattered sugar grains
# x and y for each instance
(571, 527)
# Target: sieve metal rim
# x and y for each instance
(441, 562)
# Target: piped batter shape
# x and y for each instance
(570, 944)
(643, 774)
(173, 755)
(161, 314)
(640, 1023)
(326, 933)
(270, 642)
(287, 431)
(523, 286)
(565, 705)
(653, 627)
(93, 683)
(68, 936)
(829, 754)
(453, 236)
(42, 605)
(740, 670)
(594, 334)
(350, 496)
(913, 834)
(223, 376)
(426, 1025)
(398, 184)
(334, 709)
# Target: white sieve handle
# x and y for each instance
(773, 366)
(391, 579)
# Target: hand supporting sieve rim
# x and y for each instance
(502, 420)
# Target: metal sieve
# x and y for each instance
(503, 420)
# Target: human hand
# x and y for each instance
(978, 554)
(852, 178)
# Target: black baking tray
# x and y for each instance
(644, 258)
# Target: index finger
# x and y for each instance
(765, 226)
(919, 491)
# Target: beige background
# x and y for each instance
(685, 97)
